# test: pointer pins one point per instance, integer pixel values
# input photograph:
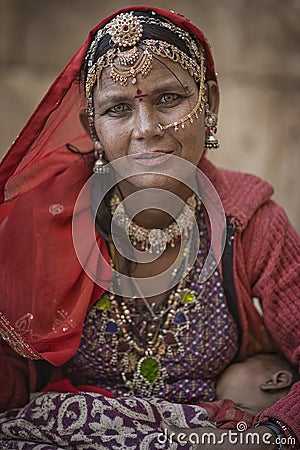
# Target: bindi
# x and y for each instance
(139, 94)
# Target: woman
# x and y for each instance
(131, 311)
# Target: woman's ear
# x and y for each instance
(213, 96)
(279, 380)
(84, 121)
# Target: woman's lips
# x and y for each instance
(152, 158)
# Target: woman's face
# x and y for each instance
(127, 118)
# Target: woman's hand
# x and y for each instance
(205, 438)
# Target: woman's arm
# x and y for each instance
(271, 251)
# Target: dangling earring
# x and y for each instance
(210, 120)
(100, 165)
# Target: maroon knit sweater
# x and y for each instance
(266, 266)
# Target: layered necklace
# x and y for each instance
(139, 355)
(156, 239)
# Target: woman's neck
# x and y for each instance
(164, 212)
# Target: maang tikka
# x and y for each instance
(210, 120)
(125, 32)
(100, 165)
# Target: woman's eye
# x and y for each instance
(169, 98)
(118, 109)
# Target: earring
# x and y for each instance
(100, 163)
(210, 120)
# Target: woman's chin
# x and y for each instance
(150, 181)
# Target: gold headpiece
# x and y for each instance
(121, 72)
(126, 31)
(126, 61)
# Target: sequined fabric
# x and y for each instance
(204, 327)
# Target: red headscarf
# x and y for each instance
(44, 290)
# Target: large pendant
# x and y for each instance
(149, 376)
(149, 368)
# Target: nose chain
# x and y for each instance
(191, 116)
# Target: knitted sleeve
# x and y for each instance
(275, 279)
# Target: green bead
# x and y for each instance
(104, 303)
(187, 296)
(149, 368)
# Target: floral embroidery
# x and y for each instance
(91, 421)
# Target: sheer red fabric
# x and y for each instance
(44, 290)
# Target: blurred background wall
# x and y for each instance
(256, 45)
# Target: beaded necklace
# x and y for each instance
(140, 366)
(140, 363)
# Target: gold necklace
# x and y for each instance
(156, 239)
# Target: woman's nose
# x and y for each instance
(146, 124)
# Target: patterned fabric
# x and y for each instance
(206, 331)
(89, 421)
(225, 414)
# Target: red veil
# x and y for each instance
(44, 290)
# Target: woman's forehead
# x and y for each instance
(164, 73)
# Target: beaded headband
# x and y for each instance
(126, 61)
(126, 30)
(110, 27)
(131, 63)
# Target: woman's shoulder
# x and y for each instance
(231, 180)
(241, 194)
